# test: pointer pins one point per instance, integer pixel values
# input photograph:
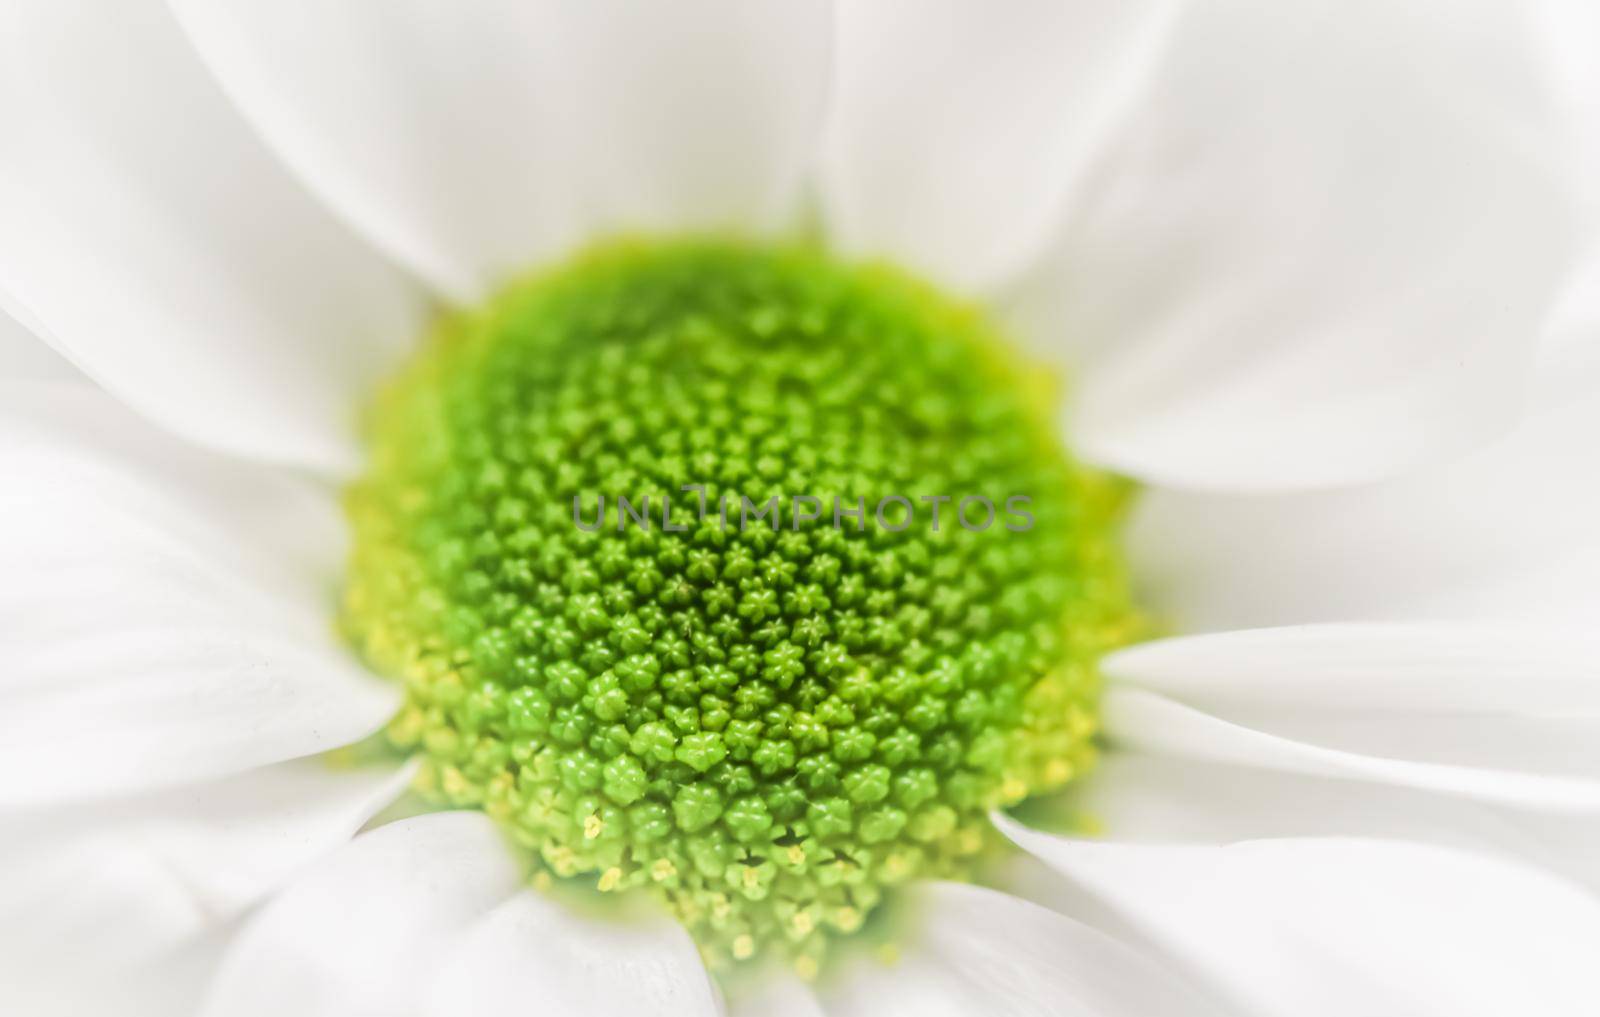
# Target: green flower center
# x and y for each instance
(616, 642)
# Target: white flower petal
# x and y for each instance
(1147, 721)
(1571, 27)
(1569, 350)
(1318, 248)
(1142, 797)
(977, 951)
(533, 947)
(364, 932)
(159, 245)
(1148, 797)
(25, 357)
(1335, 927)
(112, 886)
(1511, 531)
(474, 139)
(172, 984)
(1506, 713)
(169, 612)
(959, 128)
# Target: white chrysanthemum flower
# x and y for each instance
(1312, 272)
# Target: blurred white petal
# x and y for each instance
(1507, 714)
(167, 986)
(1320, 246)
(1571, 28)
(26, 357)
(958, 129)
(1151, 797)
(535, 948)
(168, 613)
(1569, 353)
(365, 931)
(156, 242)
(1511, 531)
(1335, 927)
(473, 139)
(117, 886)
(977, 951)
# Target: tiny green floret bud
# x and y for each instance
(654, 543)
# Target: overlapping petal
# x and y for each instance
(1153, 797)
(167, 614)
(1334, 926)
(365, 931)
(533, 947)
(980, 951)
(429, 916)
(1321, 245)
(474, 139)
(1508, 532)
(25, 357)
(119, 885)
(959, 130)
(149, 236)
(1501, 713)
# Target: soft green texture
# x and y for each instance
(766, 728)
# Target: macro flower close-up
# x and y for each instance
(752, 507)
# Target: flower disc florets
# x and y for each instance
(768, 714)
